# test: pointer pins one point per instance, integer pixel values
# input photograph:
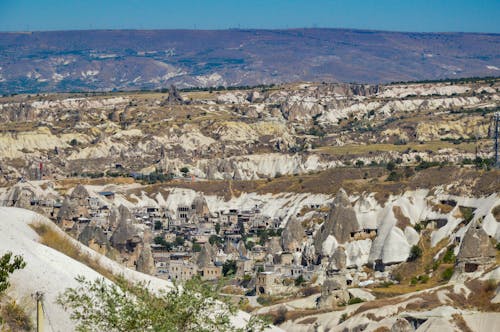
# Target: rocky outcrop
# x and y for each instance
(292, 235)
(476, 250)
(200, 206)
(126, 236)
(341, 221)
(333, 292)
(273, 246)
(338, 260)
(94, 237)
(174, 97)
(80, 194)
(20, 197)
(401, 325)
(242, 249)
(75, 205)
(145, 262)
(205, 256)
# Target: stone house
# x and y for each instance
(210, 272)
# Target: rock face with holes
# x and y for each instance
(94, 237)
(476, 251)
(293, 235)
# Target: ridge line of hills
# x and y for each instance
(107, 60)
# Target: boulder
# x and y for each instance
(401, 325)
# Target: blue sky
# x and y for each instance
(399, 15)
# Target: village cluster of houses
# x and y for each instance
(194, 241)
(193, 223)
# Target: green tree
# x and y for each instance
(103, 306)
(184, 170)
(299, 281)
(196, 247)
(162, 242)
(214, 239)
(217, 228)
(229, 268)
(179, 241)
(158, 225)
(7, 267)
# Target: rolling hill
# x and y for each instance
(132, 59)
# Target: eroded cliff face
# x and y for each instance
(246, 134)
(341, 230)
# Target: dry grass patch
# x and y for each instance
(419, 267)
(15, 317)
(355, 149)
(281, 314)
(382, 329)
(402, 220)
(68, 183)
(376, 304)
(442, 208)
(460, 323)
(56, 240)
(309, 320)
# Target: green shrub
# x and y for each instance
(264, 300)
(102, 306)
(391, 166)
(449, 257)
(423, 279)
(355, 300)
(184, 170)
(415, 253)
(229, 268)
(467, 213)
(300, 281)
(15, 317)
(435, 265)
(393, 176)
(359, 163)
(447, 274)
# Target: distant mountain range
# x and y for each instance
(132, 59)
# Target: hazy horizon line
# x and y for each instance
(248, 29)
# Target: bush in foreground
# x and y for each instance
(103, 306)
